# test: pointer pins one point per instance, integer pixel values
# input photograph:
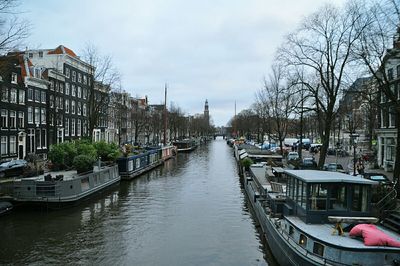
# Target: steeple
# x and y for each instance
(206, 113)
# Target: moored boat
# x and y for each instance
(57, 189)
(5, 207)
(167, 152)
(298, 217)
(186, 145)
(135, 165)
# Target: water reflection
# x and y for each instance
(191, 211)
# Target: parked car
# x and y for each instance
(293, 155)
(379, 177)
(309, 163)
(13, 168)
(334, 167)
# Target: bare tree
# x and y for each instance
(322, 45)
(105, 77)
(379, 52)
(279, 102)
(12, 29)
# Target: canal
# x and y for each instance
(191, 211)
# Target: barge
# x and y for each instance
(185, 145)
(296, 217)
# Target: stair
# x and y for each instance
(392, 221)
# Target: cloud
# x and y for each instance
(217, 50)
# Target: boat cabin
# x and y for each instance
(314, 195)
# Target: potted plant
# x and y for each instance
(83, 164)
(246, 162)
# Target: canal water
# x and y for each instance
(191, 211)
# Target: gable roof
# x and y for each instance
(61, 49)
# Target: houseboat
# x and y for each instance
(57, 189)
(135, 165)
(303, 218)
(186, 145)
(167, 152)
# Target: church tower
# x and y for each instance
(206, 113)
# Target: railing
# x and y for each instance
(388, 202)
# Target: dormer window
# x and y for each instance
(40, 53)
(38, 73)
(14, 78)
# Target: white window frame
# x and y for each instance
(21, 97)
(21, 119)
(3, 145)
(13, 95)
(72, 127)
(13, 118)
(30, 115)
(13, 144)
(43, 116)
(37, 116)
(66, 127)
(4, 117)
(14, 78)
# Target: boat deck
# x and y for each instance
(261, 173)
(323, 232)
(67, 175)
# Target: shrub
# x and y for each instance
(83, 163)
(246, 162)
(57, 155)
(107, 151)
(83, 148)
(70, 152)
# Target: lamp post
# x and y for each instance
(353, 137)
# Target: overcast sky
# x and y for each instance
(218, 50)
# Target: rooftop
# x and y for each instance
(316, 176)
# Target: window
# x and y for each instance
(390, 74)
(66, 106)
(383, 117)
(31, 138)
(73, 76)
(37, 115)
(85, 129)
(52, 85)
(78, 127)
(67, 72)
(21, 97)
(291, 230)
(38, 139)
(61, 88)
(88, 81)
(43, 97)
(51, 101)
(13, 144)
(4, 119)
(359, 198)
(40, 53)
(318, 249)
(392, 117)
(303, 240)
(84, 79)
(66, 127)
(79, 77)
(13, 119)
(30, 115)
(3, 145)
(84, 109)
(4, 95)
(44, 144)
(67, 88)
(79, 108)
(30, 94)
(57, 86)
(13, 96)
(338, 199)
(72, 127)
(30, 55)
(21, 119)
(318, 197)
(84, 93)
(73, 90)
(37, 96)
(79, 92)
(73, 107)
(14, 78)
(43, 116)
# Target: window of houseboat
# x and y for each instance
(318, 249)
(359, 198)
(303, 240)
(295, 190)
(338, 199)
(291, 230)
(302, 194)
(318, 197)
(290, 187)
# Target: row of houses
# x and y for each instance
(50, 96)
(367, 115)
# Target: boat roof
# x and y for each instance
(318, 176)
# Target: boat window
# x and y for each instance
(302, 194)
(291, 230)
(318, 197)
(359, 198)
(338, 199)
(290, 187)
(295, 187)
(303, 240)
(318, 249)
